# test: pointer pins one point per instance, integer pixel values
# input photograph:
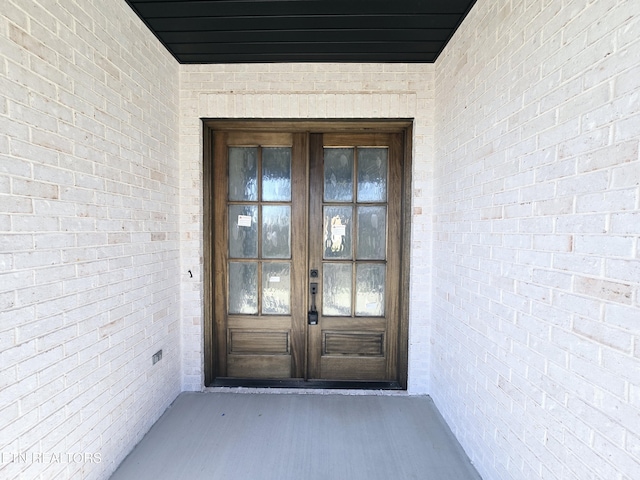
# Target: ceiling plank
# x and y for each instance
(235, 8)
(361, 35)
(309, 22)
(306, 57)
(309, 48)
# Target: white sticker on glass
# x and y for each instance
(274, 279)
(338, 230)
(244, 220)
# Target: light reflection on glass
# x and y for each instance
(276, 231)
(337, 228)
(370, 288)
(338, 174)
(276, 288)
(243, 231)
(243, 288)
(372, 233)
(336, 289)
(276, 174)
(372, 174)
(243, 173)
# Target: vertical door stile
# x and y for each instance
(394, 251)
(220, 249)
(299, 267)
(315, 245)
(208, 202)
(259, 208)
(406, 147)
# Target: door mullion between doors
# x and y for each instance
(260, 262)
(299, 253)
(354, 231)
(315, 249)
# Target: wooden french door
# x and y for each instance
(307, 236)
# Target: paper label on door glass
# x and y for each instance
(244, 220)
(274, 279)
(338, 230)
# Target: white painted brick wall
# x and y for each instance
(89, 235)
(307, 91)
(536, 335)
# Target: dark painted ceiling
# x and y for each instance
(250, 31)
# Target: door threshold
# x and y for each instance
(304, 384)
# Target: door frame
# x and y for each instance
(210, 126)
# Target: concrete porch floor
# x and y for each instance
(261, 436)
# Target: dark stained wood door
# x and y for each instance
(307, 222)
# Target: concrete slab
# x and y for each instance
(241, 436)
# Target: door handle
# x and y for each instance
(312, 316)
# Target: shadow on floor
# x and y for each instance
(244, 436)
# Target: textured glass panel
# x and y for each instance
(243, 231)
(276, 231)
(243, 287)
(276, 174)
(276, 289)
(243, 173)
(338, 232)
(372, 174)
(336, 289)
(338, 174)
(370, 287)
(372, 233)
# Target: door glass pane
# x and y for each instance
(338, 174)
(276, 288)
(372, 174)
(243, 287)
(337, 232)
(243, 231)
(370, 289)
(276, 174)
(243, 173)
(372, 233)
(276, 231)
(336, 289)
